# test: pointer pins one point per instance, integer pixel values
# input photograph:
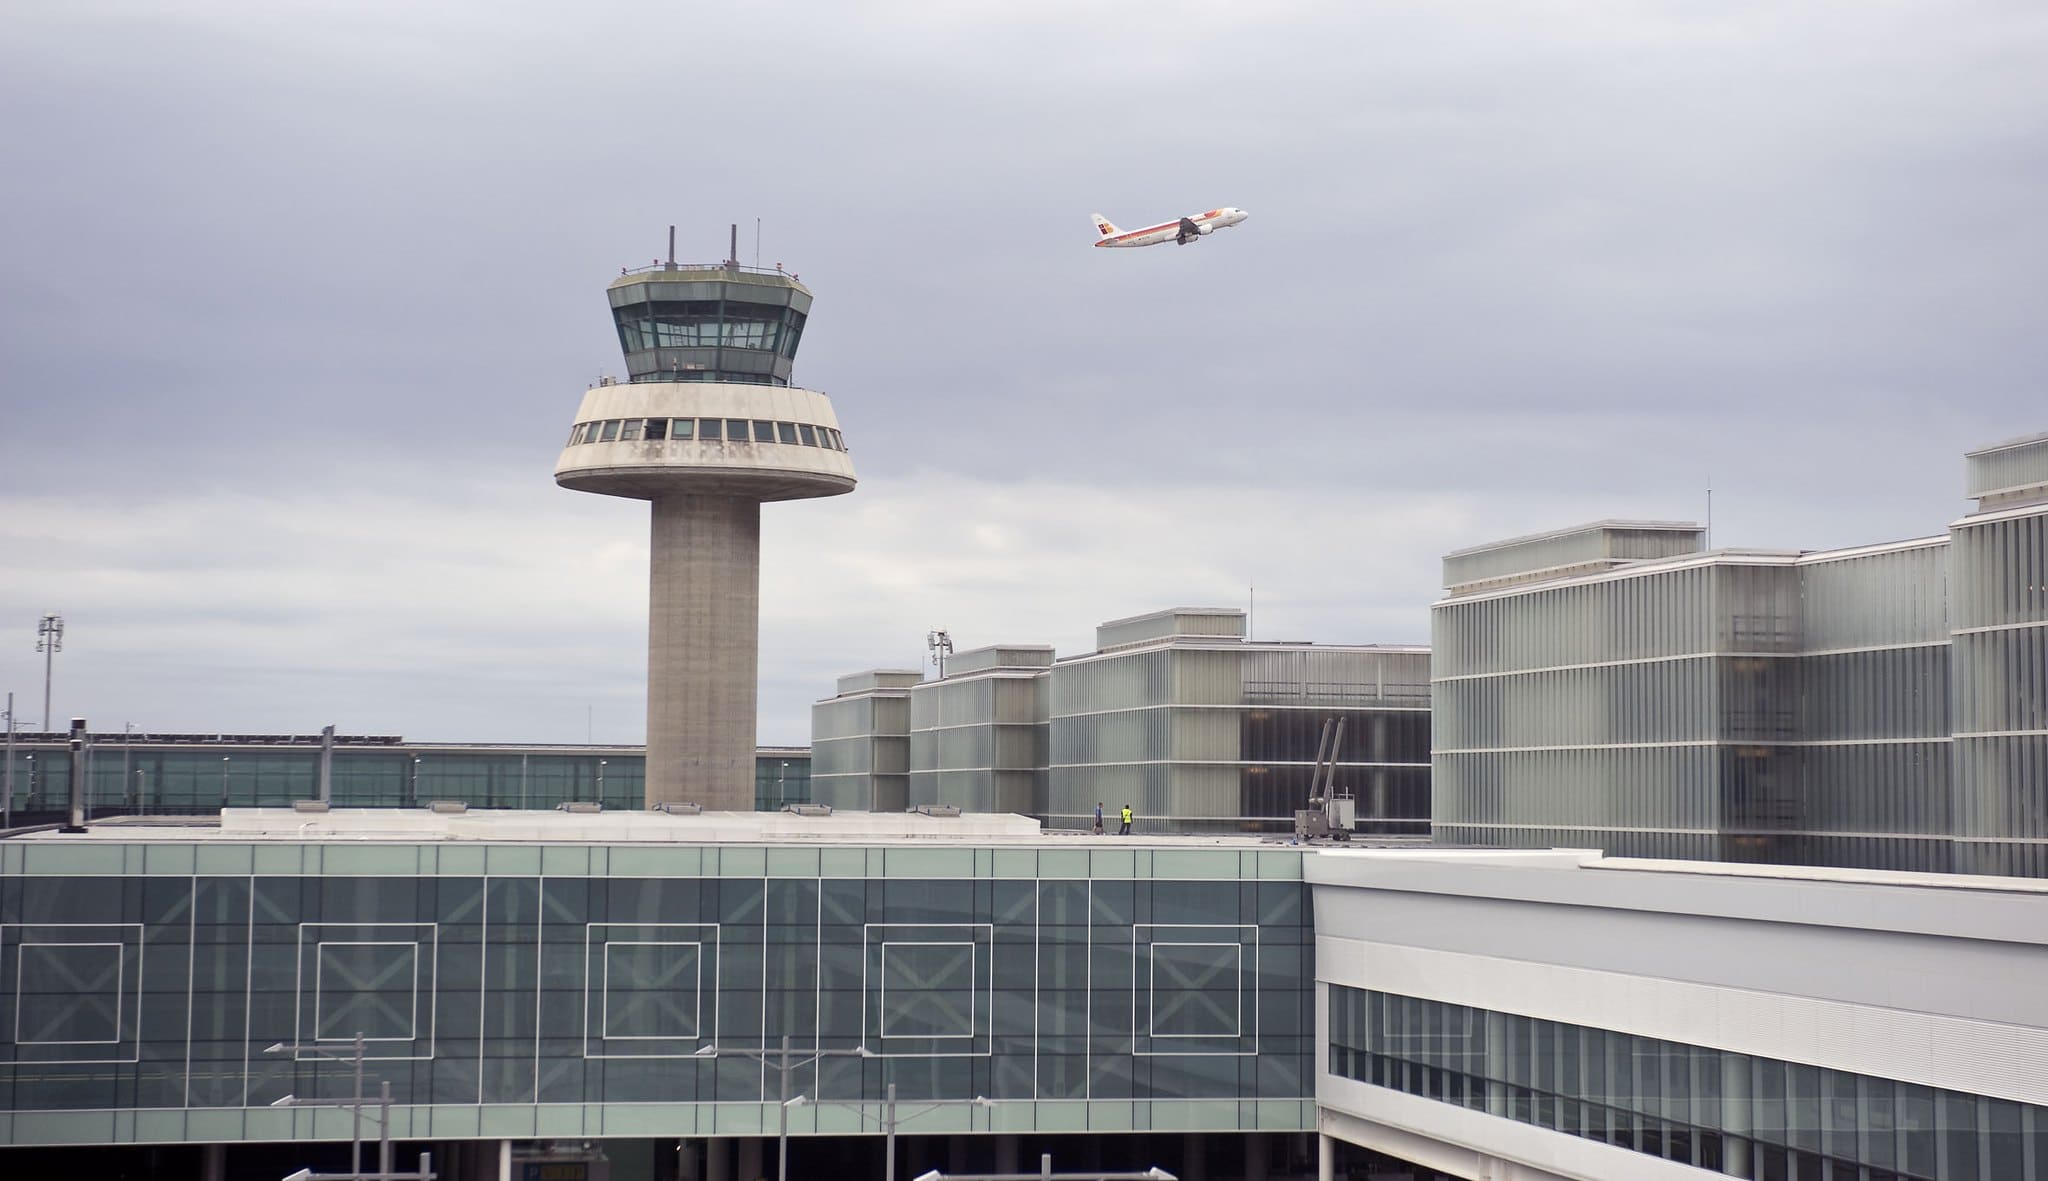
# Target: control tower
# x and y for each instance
(707, 427)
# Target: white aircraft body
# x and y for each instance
(1184, 231)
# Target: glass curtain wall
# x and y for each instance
(1204, 737)
(151, 778)
(1583, 713)
(492, 980)
(978, 742)
(2000, 702)
(1736, 1114)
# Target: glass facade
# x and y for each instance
(1199, 733)
(860, 742)
(573, 990)
(1736, 1114)
(705, 430)
(1198, 730)
(726, 323)
(154, 774)
(2000, 604)
(1733, 707)
(978, 736)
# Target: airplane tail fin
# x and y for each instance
(1104, 226)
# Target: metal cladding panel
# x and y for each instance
(1602, 542)
(1000, 656)
(1225, 622)
(2019, 466)
(878, 678)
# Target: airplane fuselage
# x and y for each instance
(1183, 230)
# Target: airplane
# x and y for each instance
(1184, 231)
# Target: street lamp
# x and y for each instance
(355, 1103)
(1045, 1173)
(224, 780)
(600, 780)
(783, 1067)
(890, 1119)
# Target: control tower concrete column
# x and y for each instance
(707, 428)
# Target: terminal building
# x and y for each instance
(1619, 686)
(610, 993)
(139, 773)
(1175, 713)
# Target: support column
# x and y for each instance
(1006, 1155)
(1194, 1160)
(718, 1159)
(703, 642)
(1735, 1112)
(213, 1162)
(750, 1159)
(1257, 1154)
(1326, 1158)
(504, 1160)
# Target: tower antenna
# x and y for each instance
(671, 248)
(732, 256)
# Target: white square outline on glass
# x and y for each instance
(590, 943)
(412, 1015)
(604, 1026)
(120, 992)
(428, 933)
(1240, 928)
(973, 979)
(1152, 990)
(134, 999)
(983, 933)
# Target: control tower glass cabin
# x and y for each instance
(707, 428)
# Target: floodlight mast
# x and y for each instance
(49, 642)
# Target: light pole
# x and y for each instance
(413, 792)
(890, 1119)
(1045, 1173)
(49, 642)
(783, 1067)
(355, 1103)
(600, 780)
(224, 780)
(7, 789)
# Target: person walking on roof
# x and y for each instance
(1126, 829)
(1098, 818)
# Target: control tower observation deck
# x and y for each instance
(707, 427)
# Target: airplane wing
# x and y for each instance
(1189, 231)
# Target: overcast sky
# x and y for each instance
(297, 301)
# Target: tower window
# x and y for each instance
(629, 431)
(810, 436)
(683, 428)
(611, 431)
(764, 432)
(735, 430)
(786, 432)
(657, 428)
(708, 430)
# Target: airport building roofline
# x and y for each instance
(791, 828)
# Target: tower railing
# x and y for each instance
(728, 265)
